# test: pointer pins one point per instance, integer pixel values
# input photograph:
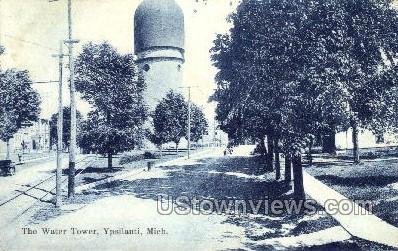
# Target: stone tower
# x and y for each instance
(159, 46)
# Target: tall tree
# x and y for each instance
(170, 119)
(257, 83)
(199, 125)
(300, 68)
(356, 34)
(19, 103)
(111, 83)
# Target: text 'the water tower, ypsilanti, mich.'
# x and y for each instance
(159, 46)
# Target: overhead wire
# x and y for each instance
(28, 42)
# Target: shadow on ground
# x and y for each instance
(225, 178)
(379, 180)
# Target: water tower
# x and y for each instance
(159, 46)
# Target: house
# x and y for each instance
(33, 138)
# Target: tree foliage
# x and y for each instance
(19, 102)
(111, 83)
(199, 125)
(291, 70)
(170, 120)
(66, 124)
(97, 136)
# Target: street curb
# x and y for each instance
(137, 171)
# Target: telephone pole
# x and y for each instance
(72, 145)
(189, 119)
(58, 196)
(189, 122)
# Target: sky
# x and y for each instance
(31, 31)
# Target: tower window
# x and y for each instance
(146, 67)
(179, 67)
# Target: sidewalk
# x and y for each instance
(29, 156)
(365, 226)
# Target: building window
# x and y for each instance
(146, 67)
(179, 67)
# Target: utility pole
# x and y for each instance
(58, 196)
(72, 146)
(189, 122)
(189, 119)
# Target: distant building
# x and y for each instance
(35, 138)
(159, 35)
(366, 139)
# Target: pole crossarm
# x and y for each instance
(46, 82)
(71, 41)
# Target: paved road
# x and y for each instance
(29, 156)
(29, 174)
(22, 192)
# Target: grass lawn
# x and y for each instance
(98, 169)
(374, 180)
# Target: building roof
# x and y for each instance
(158, 23)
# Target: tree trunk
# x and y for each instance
(298, 177)
(177, 148)
(390, 57)
(263, 149)
(329, 142)
(161, 151)
(288, 168)
(355, 142)
(264, 153)
(310, 152)
(277, 160)
(108, 143)
(110, 159)
(8, 150)
(270, 155)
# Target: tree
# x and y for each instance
(19, 103)
(292, 70)
(170, 119)
(356, 35)
(111, 83)
(199, 125)
(257, 83)
(66, 126)
(97, 136)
